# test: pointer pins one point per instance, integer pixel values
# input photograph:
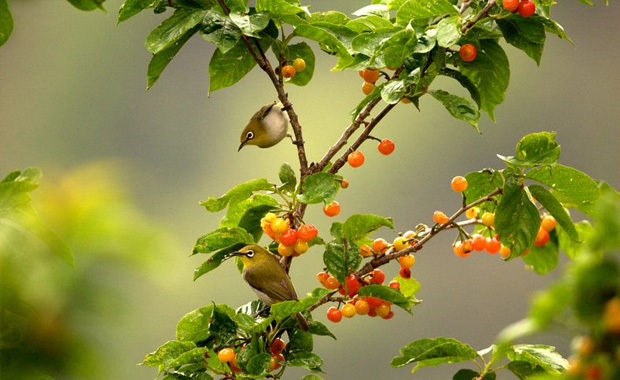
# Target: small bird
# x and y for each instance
(266, 128)
(267, 278)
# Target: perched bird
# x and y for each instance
(266, 128)
(267, 277)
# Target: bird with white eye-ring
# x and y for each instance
(267, 127)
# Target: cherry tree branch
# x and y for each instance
(483, 13)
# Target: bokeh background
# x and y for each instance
(124, 170)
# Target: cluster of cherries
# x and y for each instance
(289, 70)
(228, 356)
(525, 8)
(492, 245)
(292, 242)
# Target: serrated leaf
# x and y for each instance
(194, 326)
(448, 31)
(539, 355)
(527, 34)
(458, 107)
(340, 262)
(570, 186)
(236, 194)
(317, 328)
(490, 72)
(358, 226)
(554, 207)
(408, 287)
(161, 60)
(536, 149)
(319, 187)
(167, 352)
(222, 238)
(172, 29)
(386, 293)
(228, 69)
(543, 259)
(423, 9)
(432, 352)
(516, 219)
(6, 22)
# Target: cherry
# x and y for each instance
(370, 76)
(386, 146)
(493, 245)
(440, 218)
(356, 159)
(542, 237)
(379, 246)
(279, 225)
(332, 209)
(299, 65)
(479, 242)
(367, 88)
(362, 307)
(382, 310)
(405, 272)
(406, 261)
(377, 276)
(301, 246)
(394, 284)
(226, 355)
(284, 250)
(348, 310)
(344, 183)
(488, 219)
(468, 53)
(322, 277)
(365, 250)
(332, 283)
(526, 8)
(288, 237)
(472, 213)
(288, 71)
(548, 223)
(277, 346)
(334, 315)
(307, 232)
(504, 251)
(459, 184)
(510, 5)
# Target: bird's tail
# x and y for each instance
(303, 323)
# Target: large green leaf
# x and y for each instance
(523, 370)
(288, 178)
(194, 326)
(539, 355)
(386, 293)
(571, 247)
(535, 149)
(516, 219)
(160, 60)
(236, 194)
(458, 107)
(220, 30)
(6, 22)
(304, 51)
(490, 72)
(221, 238)
(432, 352)
(368, 23)
(319, 187)
(465, 82)
(228, 69)
(527, 34)
(167, 353)
(570, 186)
(358, 226)
(423, 9)
(543, 259)
(278, 7)
(282, 310)
(307, 360)
(317, 328)
(172, 29)
(250, 25)
(480, 184)
(555, 208)
(131, 8)
(327, 41)
(87, 5)
(216, 259)
(248, 213)
(448, 31)
(340, 261)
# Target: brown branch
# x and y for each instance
(483, 13)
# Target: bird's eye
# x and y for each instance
(249, 135)
(250, 253)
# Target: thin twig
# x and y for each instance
(483, 13)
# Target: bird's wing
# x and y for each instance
(264, 111)
(275, 290)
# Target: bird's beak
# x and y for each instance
(242, 144)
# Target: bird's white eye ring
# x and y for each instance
(250, 135)
(250, 253)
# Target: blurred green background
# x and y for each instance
(124, 170)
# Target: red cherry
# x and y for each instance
(526, 8)
(386, 147)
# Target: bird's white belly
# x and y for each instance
(277, 126)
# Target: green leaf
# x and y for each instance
(288, 178)
(490, 72)
(278, 7)
(299, 341)
(458, 107)
(553, 27)
(237, 6)
(258, 364)
(547, 305)
(340, 262)
(409, 287)
(535, 149)
(307, 360)
(516, 219)
(527, 34)
(222, 238)
(250, 25)
(570, 186)
(379, 10)
(433, 352)
(172, 29)
(87, 5)
(373, 95)
(368, 23)
(194, 326)
(167, 353)
(328, 41)
(397, 47)
(319, 187)
(555, 208)
(161, 60)
(393, 91)
(466, 374)
(222, 325)
(523, 370)
(285, 309)
(423, 9)
(228, 69)
(386, 293)
(14, 188)
(543, 259)
(465, 82)
(448, 31)
(131, 8)
(481, 183)
(571, 247)
(216, 259)
(195, 356)
(246, 214)
(312, 377)
(6, 22)
(236, 194)
(539, 355)
(357, 227)
(317, 328)
(219, 29)
(304, 51)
